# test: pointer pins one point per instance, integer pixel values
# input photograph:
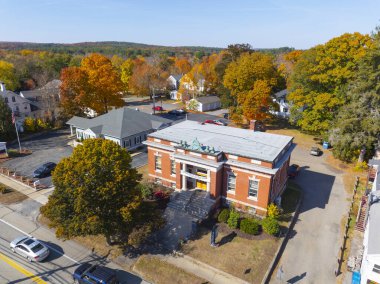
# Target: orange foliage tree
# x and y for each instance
(95, 84)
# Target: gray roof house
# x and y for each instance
(125, 126)
(206, 103)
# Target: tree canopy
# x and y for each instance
(8, 75)
(357, 124)
(96, 192)
(96, 84)
(317, 85)
(7, 128)
(250, 80)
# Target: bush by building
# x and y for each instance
(270, 226)
(233, 220)
(224, 215)
(250, 226)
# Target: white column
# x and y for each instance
(71, 130)
(208, 180)
(184, 177)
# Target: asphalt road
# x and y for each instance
(46, 147)
(64, 256)
(311, 253)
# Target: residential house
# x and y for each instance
(205, 103)
(125, 126)
(173, 86)
(21, 106)
(46, 99)
(370, 267)
(279, 98)
(232, 165)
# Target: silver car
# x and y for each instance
(30, 248)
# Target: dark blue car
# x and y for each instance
(90, 274)
(44, 170)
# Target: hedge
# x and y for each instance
(250, 226)
(270, 226)
(224, 215)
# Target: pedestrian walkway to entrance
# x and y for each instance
(184, 211)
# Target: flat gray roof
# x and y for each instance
(374, 229)
(241, 142)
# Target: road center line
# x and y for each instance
(22, 269)
(26, 234)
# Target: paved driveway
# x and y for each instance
(47, 147)
(311, 254)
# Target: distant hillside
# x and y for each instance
(122, 48)
(110, 48)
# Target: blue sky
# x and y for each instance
(262, 23)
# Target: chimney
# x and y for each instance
(252, 124)
(2, 87)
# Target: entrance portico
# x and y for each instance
(201, 176)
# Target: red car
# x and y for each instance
(158, 108)
(209, 121)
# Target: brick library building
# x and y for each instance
(236, 166)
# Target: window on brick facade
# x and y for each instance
(157, 163)
(253, 188)
(157, 180)
(172, 167)
(231, 182)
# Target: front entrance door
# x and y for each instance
(201, 184)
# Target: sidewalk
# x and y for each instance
(203, 270)
(40, 196)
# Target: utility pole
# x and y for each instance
(154, 101)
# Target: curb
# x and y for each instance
(281, 248)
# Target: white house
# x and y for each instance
(125, 126)
(173, 86)
(21, 106)
(280, 99)
(370, 267)
(205, 103)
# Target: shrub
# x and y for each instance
(3, 189)
(273, 211)
(250, 226)
(160, 194)
(30, 124)
(146, 190)
(361, 166)
(224, 215)
(270, 226)
(233, 220)
(139, 235)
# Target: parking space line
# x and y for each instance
(26, 234)
(21, 269)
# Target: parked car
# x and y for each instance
(177, 112)
(44, 170)
(219, 122)
(210, 121)
(30, 248)
(315, 151)
(87, 273)
(158, 108)
(293, 170)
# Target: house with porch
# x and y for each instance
(125, 126)
(232, 166)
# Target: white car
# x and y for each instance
(30, 248)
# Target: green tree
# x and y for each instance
(7, 128)
(357, 124)
(8, 75)
(318, 83)
(96, 192)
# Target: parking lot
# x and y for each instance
(46, 147)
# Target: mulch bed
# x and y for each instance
(223, 228)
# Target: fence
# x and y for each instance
(345, 237)
(20, 178)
